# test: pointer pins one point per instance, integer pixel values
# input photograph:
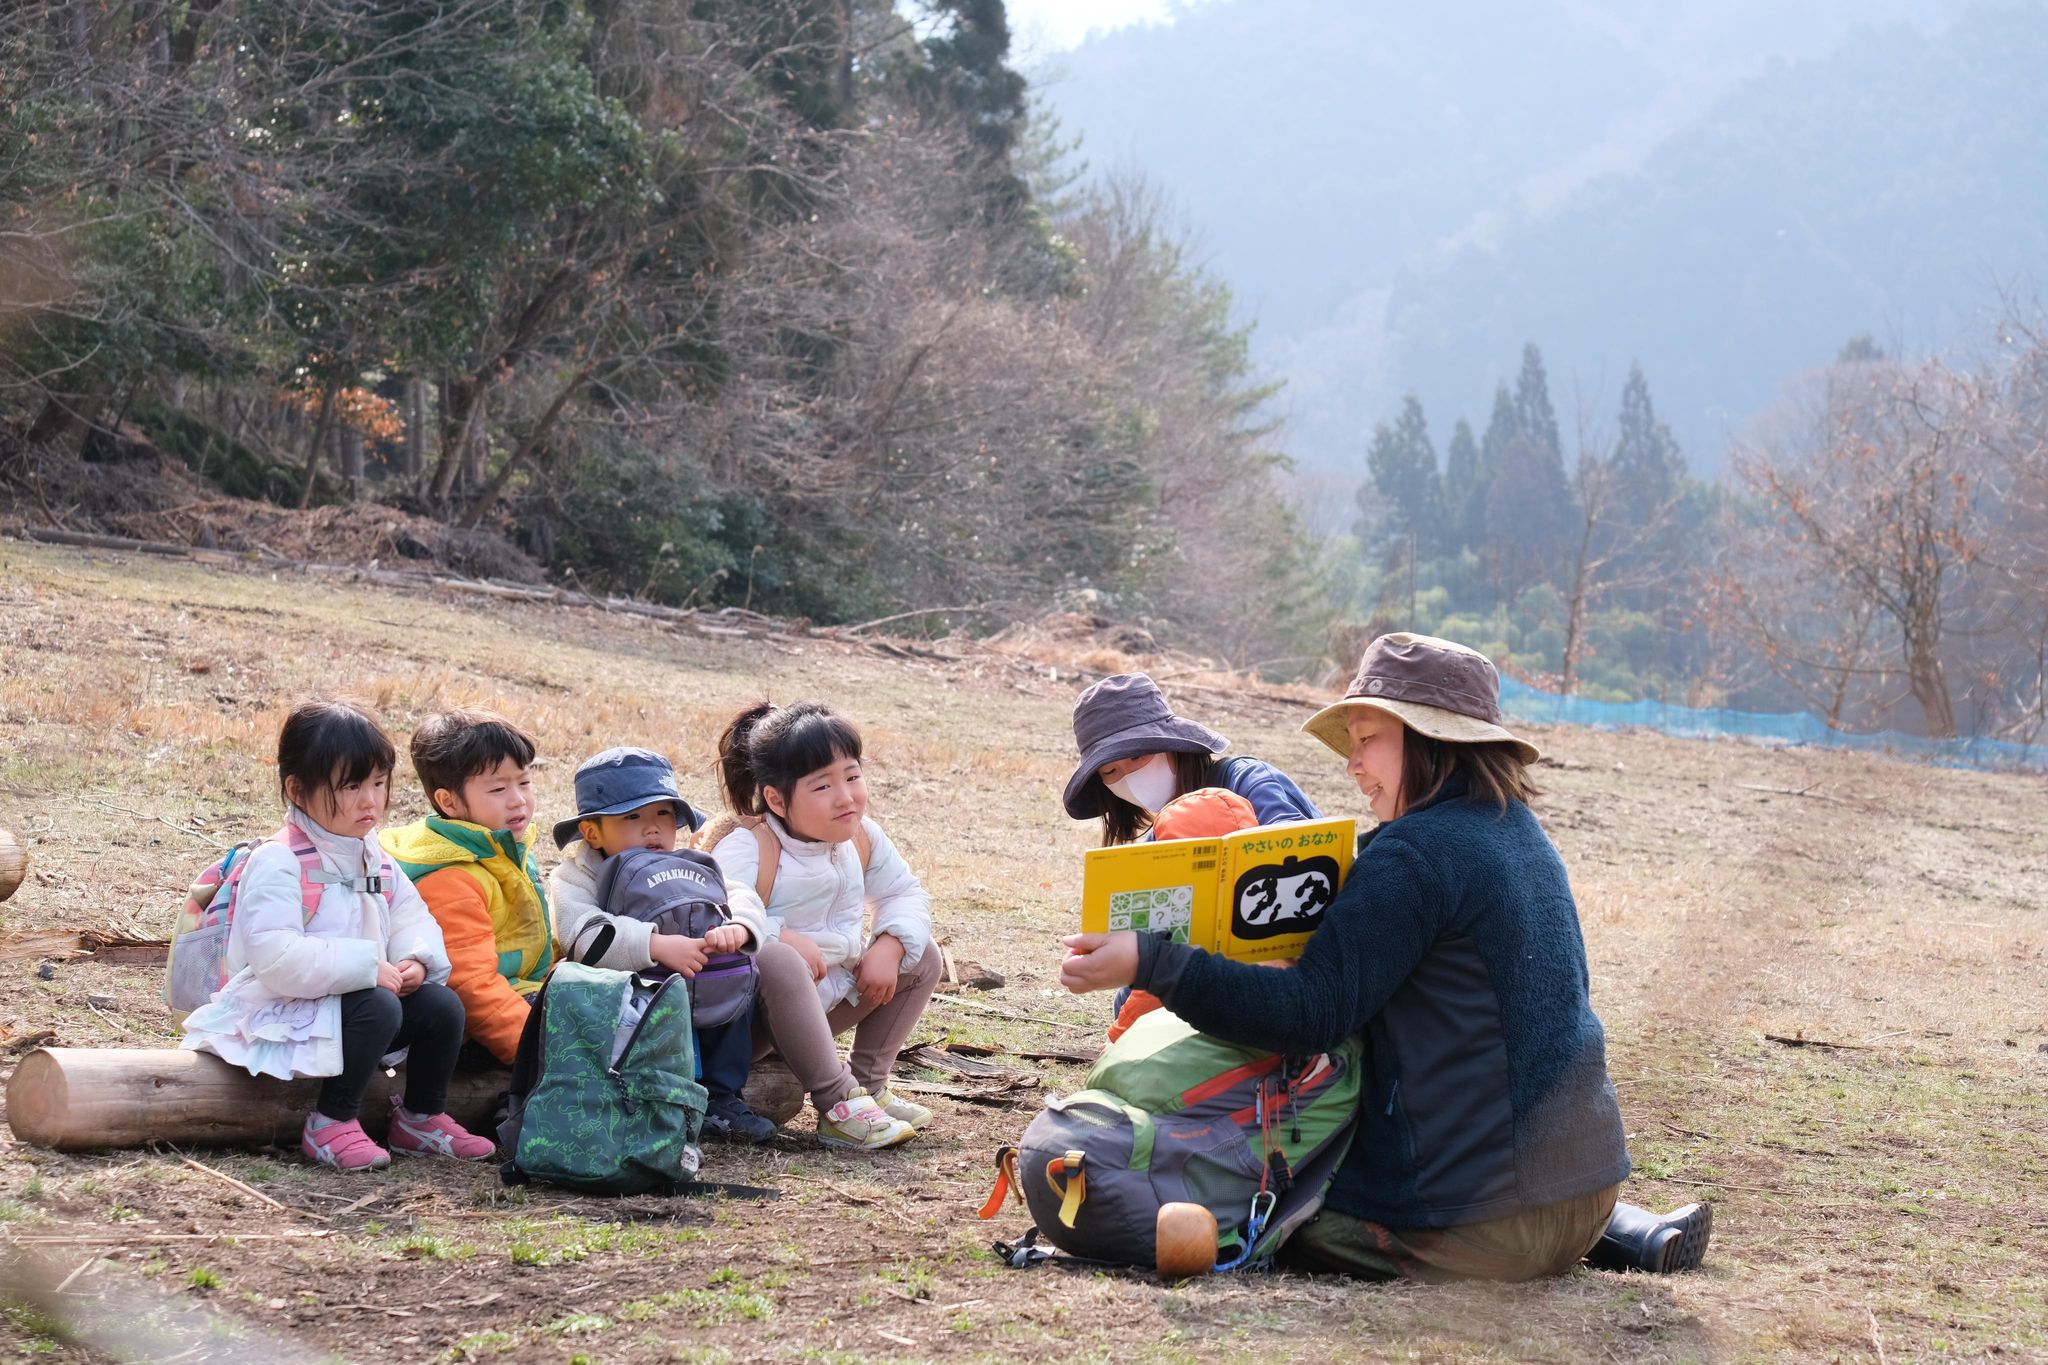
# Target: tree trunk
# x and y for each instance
(1930, 689)
(350, 441)
(415, 427)
(317, 445)
(462, 410)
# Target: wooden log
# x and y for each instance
(772, 1091)
(13, 864)
(78, 1098)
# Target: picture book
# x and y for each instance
(1253, 895)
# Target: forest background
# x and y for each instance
(805, 306)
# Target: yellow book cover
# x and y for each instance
(1253, 895)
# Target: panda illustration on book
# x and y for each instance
(1287, 897)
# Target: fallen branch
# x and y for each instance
(983, 610)
(1799, 1040)
(961, 1002)
(249, 1190)
(1794, 791)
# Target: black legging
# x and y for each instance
(375, 1022)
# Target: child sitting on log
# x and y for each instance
(474, 862)
(333, 960)
(626, 801)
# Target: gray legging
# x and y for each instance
(789, 1020)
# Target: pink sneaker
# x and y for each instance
(434, 1135)
(344, 1146)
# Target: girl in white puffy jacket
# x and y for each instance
(333, 960)
(803, 846)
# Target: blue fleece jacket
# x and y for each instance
(1455, 946)
(1273, 796)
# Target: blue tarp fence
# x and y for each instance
(1537, 707)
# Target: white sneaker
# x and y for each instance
(907, 1111)
(857, 1121)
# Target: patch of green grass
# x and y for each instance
(117, 1212)
(427, 1246)
(491, 1343)
(702, 1355)
(737, 1302)
(577, 1324)
(526, 1253)
(11, 1212)
(33, 1188)
(203, 1279)
(916, 1277)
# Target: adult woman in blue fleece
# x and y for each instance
(1490, 1143)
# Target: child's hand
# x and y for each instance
(389, 979)
(813, 957)
(880, 966)
(1099, 962)
(726, 938)
(678, 952)
(411, 975)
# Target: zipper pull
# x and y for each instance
(1393, 1095)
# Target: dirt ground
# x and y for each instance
(1883, 1196)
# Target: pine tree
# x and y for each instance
(1402, 463)
(1647, 466)
(1500, 429)
(1461, 486)
(1529, 505)
(1534, 415)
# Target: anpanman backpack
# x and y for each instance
(1171, 1115)
(199, 936)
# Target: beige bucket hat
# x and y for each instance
(1435, 687)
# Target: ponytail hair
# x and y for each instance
(776, 746)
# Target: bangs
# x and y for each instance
(330, 745)
(814, 740)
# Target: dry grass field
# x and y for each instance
(1883, 1199)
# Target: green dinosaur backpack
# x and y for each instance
(1171, 1115)
(604, 1097)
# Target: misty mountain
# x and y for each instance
(1401, 197)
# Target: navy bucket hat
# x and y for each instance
(1122, 717)
(621, 780)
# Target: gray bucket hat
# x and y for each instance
(621, 780)
(1437, 687)
(1122, 717)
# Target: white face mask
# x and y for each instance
(1151, 786)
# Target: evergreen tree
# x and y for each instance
(1463, 489)
(1402, 463)
(1647, 466)
(1500, 430)
(1529, 505)
(1534, 415)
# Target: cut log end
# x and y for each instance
(772, 1091)
(13, 864)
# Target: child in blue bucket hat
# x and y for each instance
(617, 892)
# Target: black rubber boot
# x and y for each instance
(1665, 1244)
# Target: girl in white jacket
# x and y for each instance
(805, 849)
(333, 961)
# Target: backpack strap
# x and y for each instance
(310, 890)
(314, 879)
(771, 847)
(771, 858)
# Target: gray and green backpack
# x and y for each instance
(1171, 1115)
(604, 1097)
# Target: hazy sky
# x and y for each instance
(1040, 28)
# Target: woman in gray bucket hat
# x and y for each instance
(1489, 1141)
(1137, 755)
